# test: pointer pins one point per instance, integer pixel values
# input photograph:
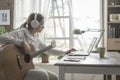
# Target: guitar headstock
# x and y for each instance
(53, 44)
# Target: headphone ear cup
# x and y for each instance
(34, 23)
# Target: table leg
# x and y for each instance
(107, 77)
(113, 77)
(104, 77)
(61, 73)
(72, 76)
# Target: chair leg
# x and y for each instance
(117, 77)
(107, 77)
(104, 77)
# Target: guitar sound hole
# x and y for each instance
(27, 58)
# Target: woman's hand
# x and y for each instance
(70, 50)
(28, 48)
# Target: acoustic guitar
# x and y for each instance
(14, 64)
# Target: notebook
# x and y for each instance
(87, 52)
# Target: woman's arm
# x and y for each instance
(15, 37)
(10, 38)
(54, 51)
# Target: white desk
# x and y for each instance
(91, 65)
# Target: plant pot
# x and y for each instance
(45, 59)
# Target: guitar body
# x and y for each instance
(12, 63)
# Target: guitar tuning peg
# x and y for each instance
(53, 43)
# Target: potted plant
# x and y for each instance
(2, 30)
(59, 57)
(45, 58)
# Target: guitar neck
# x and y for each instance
(41, 51)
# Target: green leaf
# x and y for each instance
(2, 30)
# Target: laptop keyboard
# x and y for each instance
(78, 53)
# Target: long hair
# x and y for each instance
(27, 24)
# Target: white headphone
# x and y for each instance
(35, 23)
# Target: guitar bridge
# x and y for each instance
(19, 62)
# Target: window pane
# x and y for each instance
(86, 15)
(59, 8)
(57, 28)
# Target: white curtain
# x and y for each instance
(22, 9)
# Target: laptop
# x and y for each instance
(85, 53)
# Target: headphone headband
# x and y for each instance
(35, 16)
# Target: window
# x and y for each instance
(62, 17)
(87, 14)
(84, 14)
(58, 23)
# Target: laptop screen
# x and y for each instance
(92, 44)
(87, 52)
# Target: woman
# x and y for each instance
(28, 35)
